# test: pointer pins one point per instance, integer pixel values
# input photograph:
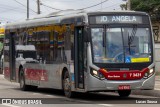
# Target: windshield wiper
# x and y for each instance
(131, 37)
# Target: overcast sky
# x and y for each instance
(15, 10)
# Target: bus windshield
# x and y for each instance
(121, 45)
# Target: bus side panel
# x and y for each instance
(54, 76)
(34, 73)
(43, 75)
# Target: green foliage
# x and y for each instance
(150, 6)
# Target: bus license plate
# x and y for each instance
(124, 87)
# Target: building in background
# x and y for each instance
(2, 31)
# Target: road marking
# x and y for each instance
(107, 105)
(37, 94)
(49, 95)
(156, 89)
(9, 105)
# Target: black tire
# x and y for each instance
(67, 86)
(22, 83)
(33, 88)
(124, 93)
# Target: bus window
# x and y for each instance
(123, 45)
(69, 44)
(137, 45)
(97, 35)
(114, 45)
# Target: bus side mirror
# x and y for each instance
(86, 35)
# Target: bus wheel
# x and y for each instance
(124, 93)
(23, 86)
(67, 85)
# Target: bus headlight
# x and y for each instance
(149, 73)
(97, 74)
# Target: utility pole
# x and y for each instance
(27, 9)
(38, 7)
(129, 5)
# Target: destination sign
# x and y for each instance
(116, 19)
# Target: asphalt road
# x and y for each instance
(55, 98)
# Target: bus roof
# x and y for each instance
(59, 17)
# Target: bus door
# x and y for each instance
(79, 57)
(12, 54)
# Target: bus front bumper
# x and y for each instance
(113, 85)
(146, 84)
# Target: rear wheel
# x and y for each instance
(23, 85)
(67, 85)
(124, 93)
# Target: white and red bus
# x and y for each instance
(82, 52)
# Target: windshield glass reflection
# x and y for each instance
(122, 45)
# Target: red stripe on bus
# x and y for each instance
(36, 74)
(124, 75)
(6, 72)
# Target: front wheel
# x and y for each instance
(67, 86)
(124, 93)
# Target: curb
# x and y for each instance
(157, 77)
(153, 93)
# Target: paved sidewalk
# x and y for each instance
(158, 78)
(1, 75)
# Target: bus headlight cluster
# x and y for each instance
(97, 74)
(149, 73)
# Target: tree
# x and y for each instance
(150, 6)
(123, 7)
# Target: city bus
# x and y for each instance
(82, 52)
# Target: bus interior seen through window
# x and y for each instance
(122, 44)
